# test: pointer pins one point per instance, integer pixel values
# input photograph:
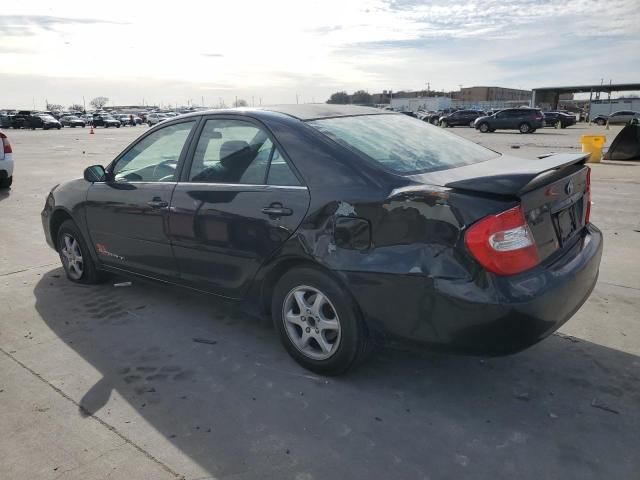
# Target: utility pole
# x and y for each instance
(296, 100)
(253, 101)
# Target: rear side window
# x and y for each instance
(401, 144)
(236, 151)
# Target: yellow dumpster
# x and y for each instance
(593, 144)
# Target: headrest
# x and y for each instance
(230, 147)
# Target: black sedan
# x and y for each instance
(460, 118)
(72, 121)
(558, 119)
(345, 225)
(105, 121)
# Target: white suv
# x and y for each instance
(6, 162)
(155, 118)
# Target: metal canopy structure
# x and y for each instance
(551, 95)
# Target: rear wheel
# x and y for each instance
(600, 122)
(484, 127)
(75, 256)
(524, 128)
(318, 322)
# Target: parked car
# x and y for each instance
(344, 224)
(6, 161)
(460, 118)
(552, 119)
(106, 121)
(526, 120)
(155, 118)
(72, 121)
(5, 120)
(125, 119)
(621, 117)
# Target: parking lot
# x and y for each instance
(108, 382)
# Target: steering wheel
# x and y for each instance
(166, 166)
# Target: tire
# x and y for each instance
(59, 128)
(434, 121)
(106, 126)
(345, 338)
(444, 124)
(483, 127)
(117, 126)
(83, 270)
(150, 124)
(6, 182)
(600, 122)
(524, 127)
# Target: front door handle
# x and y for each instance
(276, 210)
(157, 202)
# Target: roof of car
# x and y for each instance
(323, 110)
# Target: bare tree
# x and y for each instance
(99, 102)
(339, 98)
(76, 107)
(53, 107)
(240, 103)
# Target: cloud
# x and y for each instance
(28, 25)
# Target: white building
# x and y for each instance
(603, 107)
(420, 103)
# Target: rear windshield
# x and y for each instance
(402, 144)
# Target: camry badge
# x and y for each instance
(568, 188)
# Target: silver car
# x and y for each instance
(622, 116)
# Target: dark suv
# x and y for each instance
(526, 120)
(461, 118)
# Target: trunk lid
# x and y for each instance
(553, 192)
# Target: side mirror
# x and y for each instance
(95, 173)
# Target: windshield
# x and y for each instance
(402, 144)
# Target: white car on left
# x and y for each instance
(6, 162)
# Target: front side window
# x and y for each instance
(155, 157)
(401, 144)
(236, 151)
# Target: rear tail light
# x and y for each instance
(6, 146)
(587, 215)
(503, 243)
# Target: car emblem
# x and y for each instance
(568, 188)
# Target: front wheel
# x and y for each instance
(6, 182)
(318, 322)
(524, 128)
(484, 127)
(75, 256)
(600, 122)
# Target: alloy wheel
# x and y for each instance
(71, 255)
(311, 322)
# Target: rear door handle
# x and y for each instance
(157, 203)
(276, 210)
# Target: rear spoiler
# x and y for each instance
(512, 177)
(506, 176)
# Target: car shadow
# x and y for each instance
(218, 386)
(5, 193)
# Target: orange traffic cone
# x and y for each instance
(91, 132)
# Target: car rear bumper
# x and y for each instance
(6, 167)
(489, 315)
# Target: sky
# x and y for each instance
(283, 51)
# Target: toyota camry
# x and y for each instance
(345, 225)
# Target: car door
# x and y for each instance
(127, 215)
(501, 119)
(239, 200)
